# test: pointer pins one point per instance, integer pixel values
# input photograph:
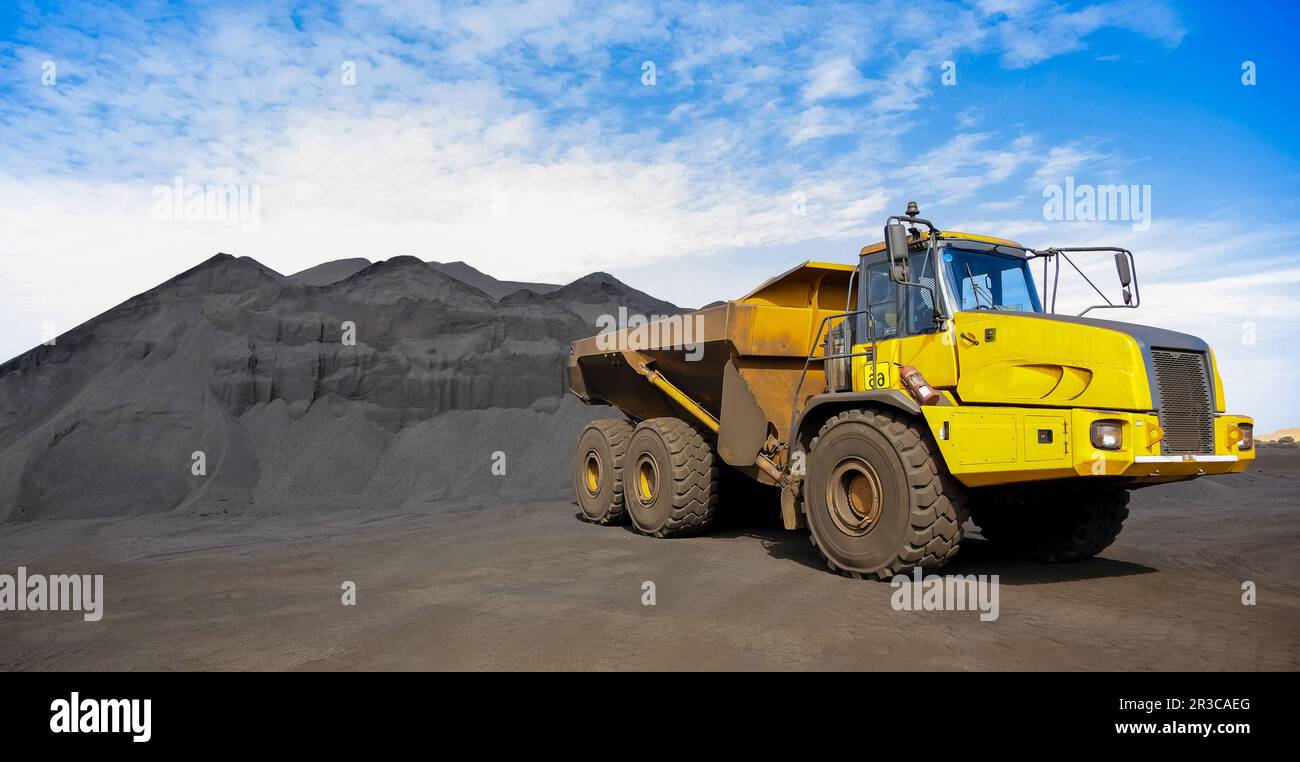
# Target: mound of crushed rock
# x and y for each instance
(359, 385)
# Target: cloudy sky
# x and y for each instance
(691, 149)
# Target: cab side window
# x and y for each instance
(920, 302)
(882, 300)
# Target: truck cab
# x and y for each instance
(1027, 395)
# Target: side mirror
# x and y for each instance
(896, 246)
(1125, 272)
(1128, 296)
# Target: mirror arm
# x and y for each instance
(914, 220)
(932, 245)
(1059, 253)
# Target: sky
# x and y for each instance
(690, 149)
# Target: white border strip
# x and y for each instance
(1181, 459)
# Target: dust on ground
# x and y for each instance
(463, 585)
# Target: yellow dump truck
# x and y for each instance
(890, 400)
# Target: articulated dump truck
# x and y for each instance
(888, 401)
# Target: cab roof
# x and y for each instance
(809, 280)
(946, 235)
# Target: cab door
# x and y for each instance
(920, 343)
(878, 328)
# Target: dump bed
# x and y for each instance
(762, 339)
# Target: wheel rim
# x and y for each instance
(592, 474)
(647, 480)
(854, 496)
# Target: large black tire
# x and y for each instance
(877, 498)
(1053, 527)
(671, 479)
(598, 472)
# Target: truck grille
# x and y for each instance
(1186, 411)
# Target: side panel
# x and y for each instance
(1006, 358)
(933, 354)
(1045, 438)
(981, 439)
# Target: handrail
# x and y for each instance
(803, 376)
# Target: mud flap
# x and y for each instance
(742, 429)
(791, 515)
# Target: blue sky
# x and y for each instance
(524, 139)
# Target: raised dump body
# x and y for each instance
(739, 361)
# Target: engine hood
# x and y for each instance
(1061, 360)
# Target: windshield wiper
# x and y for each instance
(975, 288)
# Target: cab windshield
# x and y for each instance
(986, 280)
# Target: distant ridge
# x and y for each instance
(329, 272)
(600, 293)
(486, 283)
(1294, 433)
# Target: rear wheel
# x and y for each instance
(671, 479)
(1053, 527)
(598, 477)
(877, 500)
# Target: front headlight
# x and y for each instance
(1247, 436)
(1107, 435)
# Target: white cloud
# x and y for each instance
(1066, 160)
(967, 163)
(820, 122)
(836, 78)
(1031, 31)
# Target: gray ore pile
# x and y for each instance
(451, 371)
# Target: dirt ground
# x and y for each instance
(463, 586)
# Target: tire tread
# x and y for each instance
(617, 433)
(938, 500)
(695, 477)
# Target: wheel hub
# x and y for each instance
(592, 473)
(647, 480)
(854, 494)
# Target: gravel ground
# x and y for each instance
(459, 585)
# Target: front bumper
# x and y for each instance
(986, 446)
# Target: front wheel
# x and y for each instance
(877, 499)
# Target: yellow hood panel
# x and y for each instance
(1008, 358)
